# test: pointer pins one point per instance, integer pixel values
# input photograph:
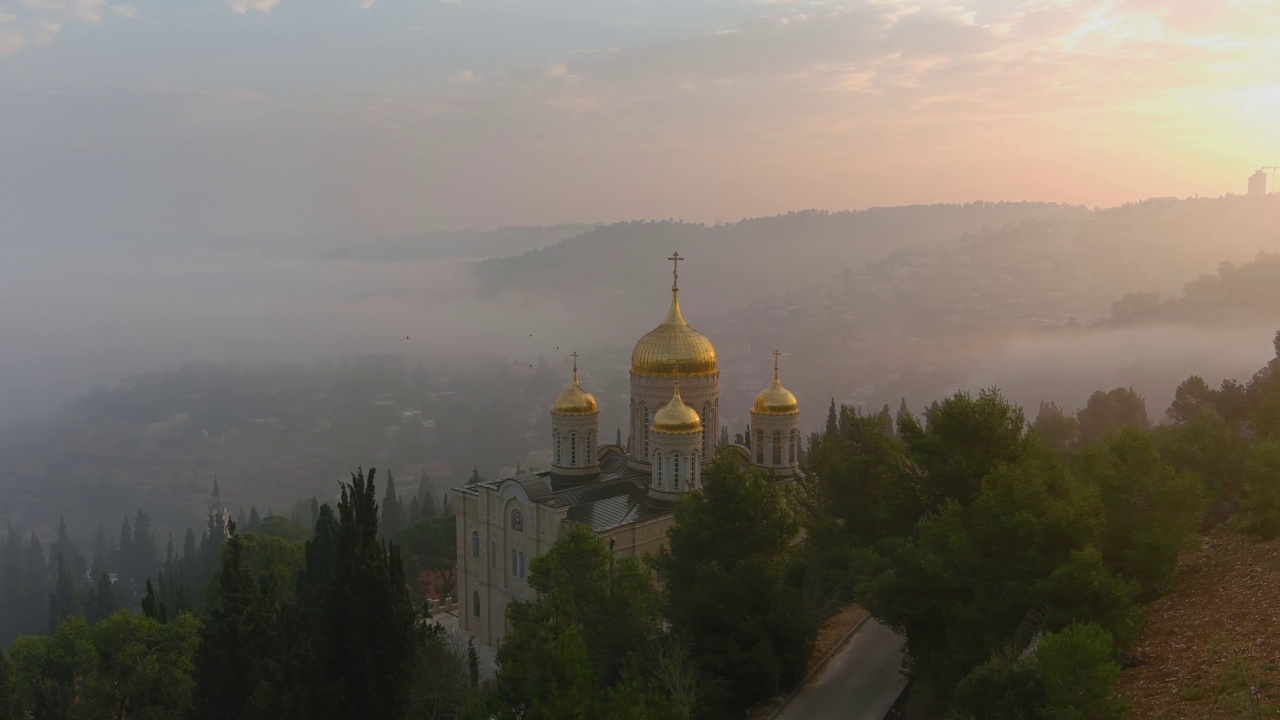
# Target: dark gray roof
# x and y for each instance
(617, 495)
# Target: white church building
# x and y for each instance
(625, 496)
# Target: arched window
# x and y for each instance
(515, 563)
(590, 455)
(675, 471)
(791, 449)
(475, 544)
(777, 448)
(521, 565)
(760, 447)
(659, 466)
(557, 447)
(645, 408)
(573, 449)
(517, 521)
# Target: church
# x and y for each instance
(626, 495)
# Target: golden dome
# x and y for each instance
(676, 417)
(775, 399)
(673, 348)
(575, 400)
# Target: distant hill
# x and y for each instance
(460, 243)
(735, 263)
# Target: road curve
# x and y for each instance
(860, 682)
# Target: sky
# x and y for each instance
(371, 118)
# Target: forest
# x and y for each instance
(1015, 555)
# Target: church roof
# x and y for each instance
(617, 495)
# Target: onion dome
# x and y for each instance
(575, 400)
(676, 417)
(775, 399)
(673, 348)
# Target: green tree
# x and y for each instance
(1193, 395)
(1003, 688)
(45, 670)
(963, 439)
(392, 513)
(103, 602)
(1108, 412)
(8, 710)
(222, 669)
(1261, 501)
(726, 587)
(1205, 444)
(430, 546)
(1076, 669)
(1055, 428)
(65, 600)
(1149, 509)
(142, 668)
(278, 526)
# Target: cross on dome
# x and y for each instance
(675, 270)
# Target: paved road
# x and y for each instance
(860, 682)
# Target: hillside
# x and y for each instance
(1213, 637)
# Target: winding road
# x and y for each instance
(860, 682)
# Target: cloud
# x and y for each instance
(466, 76)
(11, 41)
(241, 7)
(367, 4)
(127, 10)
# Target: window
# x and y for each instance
(573, 449)
(475, 603)
(557, 447)
(760, 447)
(791, 449)
(517, 521)
(659, 466)
(675, 471)
(590, 456)
(777, 448)
(702, 437)
(493, 555)
(693, 472)
(520, 564)
(475, 544)
(515, 563)
(646, 431)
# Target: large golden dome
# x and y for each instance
(676, 417)
(575, 400)
(673, 348)
(775, 399)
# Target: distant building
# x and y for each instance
(1258, 183)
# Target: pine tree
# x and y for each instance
(473, 663)
(724, 436)
(832, 428)
(475, 476)
(445, 510)
(617, 440)
(415, 511)
(254, 519)
(101, 551)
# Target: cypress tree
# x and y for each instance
(392, 514)
(65, 600)
(222, 672)
(150, 606)
(832, 428)
(415, 510)
(103, 602)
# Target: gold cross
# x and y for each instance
(675, 268)
(575, 366)
(775, 364)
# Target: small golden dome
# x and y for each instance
(673, 348)
(676, 417)
(775, 399)
(575, 400)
